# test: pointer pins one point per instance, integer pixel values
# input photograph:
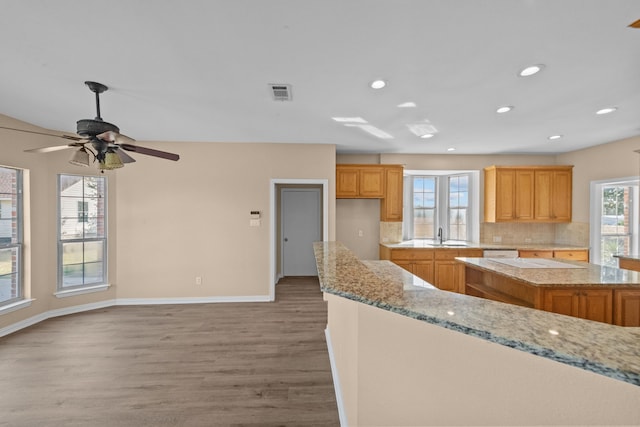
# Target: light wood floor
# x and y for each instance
(237, 364)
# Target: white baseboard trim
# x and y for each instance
(336, 381)
(53, 313)
(14, 327)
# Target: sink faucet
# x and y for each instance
(440, 234)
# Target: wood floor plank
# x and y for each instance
(236, 364)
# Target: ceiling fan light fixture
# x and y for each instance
(111, 161)
(80, 158)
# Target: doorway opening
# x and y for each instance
(296, 205)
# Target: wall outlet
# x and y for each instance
(527, 240)
(198, 280)
(497, 239)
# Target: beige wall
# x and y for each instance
(190, 218)
(41, 226)
(396, 371)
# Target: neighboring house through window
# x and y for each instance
(82, 234)
(11, 222)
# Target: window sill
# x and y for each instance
(83, 290)
(16, 306)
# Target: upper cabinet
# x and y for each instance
(527, 193)
(372, 182)
(359, 181)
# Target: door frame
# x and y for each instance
(274, 210)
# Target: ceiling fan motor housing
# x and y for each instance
(91, 128)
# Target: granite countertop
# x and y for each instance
(608, 350)
(585, 275)
(429, 244)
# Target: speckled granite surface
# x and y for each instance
(605, 349)
(590, 275)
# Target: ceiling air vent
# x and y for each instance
(281, 92)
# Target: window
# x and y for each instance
(11, 286)
(614, 220)
(82, 241)
(440, 199)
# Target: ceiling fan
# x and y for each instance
(100, 140)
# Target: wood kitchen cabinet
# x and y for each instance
(626, 307)
(391, 203)
(527, 193)
(448, 274)
(360, 181)
(591, 304)
(573, 254)
(416, 261)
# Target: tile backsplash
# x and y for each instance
(574, 233)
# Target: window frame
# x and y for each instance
(19, 244)
(62, 290)
(441, 217)
(595, 232)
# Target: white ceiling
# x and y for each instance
(198, 70)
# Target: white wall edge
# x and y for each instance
(336, 380)
(14, 327)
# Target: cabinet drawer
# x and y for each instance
(574, 255)
(446, 254)
(535, 254)
(411, 254)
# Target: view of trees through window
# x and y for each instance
(616, 228)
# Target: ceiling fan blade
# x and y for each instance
(124, 156)
(63, 136)
(150, 152)
(118, 138)
(635, 24)
(51, 149)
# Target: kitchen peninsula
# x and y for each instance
(404, 353)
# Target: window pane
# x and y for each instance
(423, 224)
(82, 217)
(9, 277)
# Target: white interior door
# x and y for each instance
(301, 226)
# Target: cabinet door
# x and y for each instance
(562, 301)
(407, 265)
(424, 270)
(391, 204)
(445, 275)
(553, 195)
(524, 182)
(626, 307)
(573, 255)
(346, 182)
(371, 182)
(561, 195)
(505, 195)
(596, 305)
(535, 254)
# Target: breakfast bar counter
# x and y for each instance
(396, 341)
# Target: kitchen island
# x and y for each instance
(404, 353)
(589, 291)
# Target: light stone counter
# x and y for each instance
(597, 347)
(428, 244)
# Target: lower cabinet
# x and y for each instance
(422, 269)
(591, 304)
(626, 307)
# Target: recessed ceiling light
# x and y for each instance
(407, 105)
(606, 110)
(378, 84)
(504, 109)
(427, 135)
(531, 70)
(552, 137)
(451, 149)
